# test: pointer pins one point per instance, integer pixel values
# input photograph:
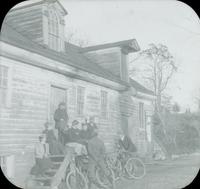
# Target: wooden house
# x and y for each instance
(39, 69)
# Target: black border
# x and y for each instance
(7, 5)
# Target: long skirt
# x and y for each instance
(56, 148)
(41, 165)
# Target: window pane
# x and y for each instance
(5, 83)
(80, 100)
(5, 72)
(104, 104)
(141, 114)
(3, 96)
(3, 76)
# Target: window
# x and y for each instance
(3, 84)
(141, 114)
(104, 104)
(80, 100)
(53, 24)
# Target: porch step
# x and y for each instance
(42, 178)
(51, 172)
(52, 176)
(57, 158)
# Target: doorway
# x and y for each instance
(57, 96)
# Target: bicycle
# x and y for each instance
(126, 164)
(100, 178)
(75, 179)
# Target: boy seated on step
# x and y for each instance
(42, 161)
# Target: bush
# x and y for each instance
(182, 132)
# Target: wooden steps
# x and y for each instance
(54, 175)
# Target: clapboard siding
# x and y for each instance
(22, 123)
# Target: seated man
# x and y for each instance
(43, 163)
(96, 151)
(55, 147)
(126, 143)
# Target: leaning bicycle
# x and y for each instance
(101, 179)
(75, 179)
(126, 164)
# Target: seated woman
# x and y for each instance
(75, 140)
(42, 162)
(55, 146)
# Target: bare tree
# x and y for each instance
(158, 70)
(72, 37)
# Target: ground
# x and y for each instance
(174, 174)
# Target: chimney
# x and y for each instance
(124, 66)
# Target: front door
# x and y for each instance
(58, 95)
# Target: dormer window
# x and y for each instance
(53, 28)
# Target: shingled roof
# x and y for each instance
(70, 57)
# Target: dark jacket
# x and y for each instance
(73, 135)
(127, 144)
(58, 116)
(55, 147)
(96, 149)
(50, 136)
(85, 135)
(90, 129)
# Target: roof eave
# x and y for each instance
(128, 46)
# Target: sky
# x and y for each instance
(168, 22)
(171, 23)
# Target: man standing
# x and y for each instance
(61, 121)
(96, 151)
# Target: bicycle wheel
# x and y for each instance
(116, 166)
(76, 180)
(103, 180)
(135, 168)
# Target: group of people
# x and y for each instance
(77, 132)
(75, 135)
(84, 134)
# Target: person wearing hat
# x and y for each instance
(96, 151)
(61, 121)
(91, 125)
(126, 143)
(42, 162)
(55, 147)
(74, 132)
